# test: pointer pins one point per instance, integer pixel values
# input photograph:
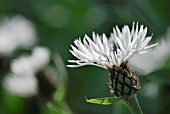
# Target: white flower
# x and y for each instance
(16, 32)
(40, 57)
(23, 86)
(22, 80)
(149, 62)
(108, 52)
(31, 64)
(22, 65)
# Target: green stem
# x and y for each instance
(132, 104)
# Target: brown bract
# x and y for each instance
(123, 81)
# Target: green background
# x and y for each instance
(59, 22)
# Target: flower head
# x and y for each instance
(113, 51)
(21, 85)
(23, 79)
(16, 32)
(112, 54)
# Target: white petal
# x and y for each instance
(103, 52)
(151, 46)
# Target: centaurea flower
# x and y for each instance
(112, 54)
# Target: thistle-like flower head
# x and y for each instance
(113, 51)
(112, 54)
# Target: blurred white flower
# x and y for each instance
(40, 57)
(17, 32)
(153, 60)
(22, 80)
(24, 86)
(22, 65)
(31, 64)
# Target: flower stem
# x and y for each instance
(132, 104)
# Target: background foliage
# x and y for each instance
(59, 22)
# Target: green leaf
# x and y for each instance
(11, 103)
(104, 101)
